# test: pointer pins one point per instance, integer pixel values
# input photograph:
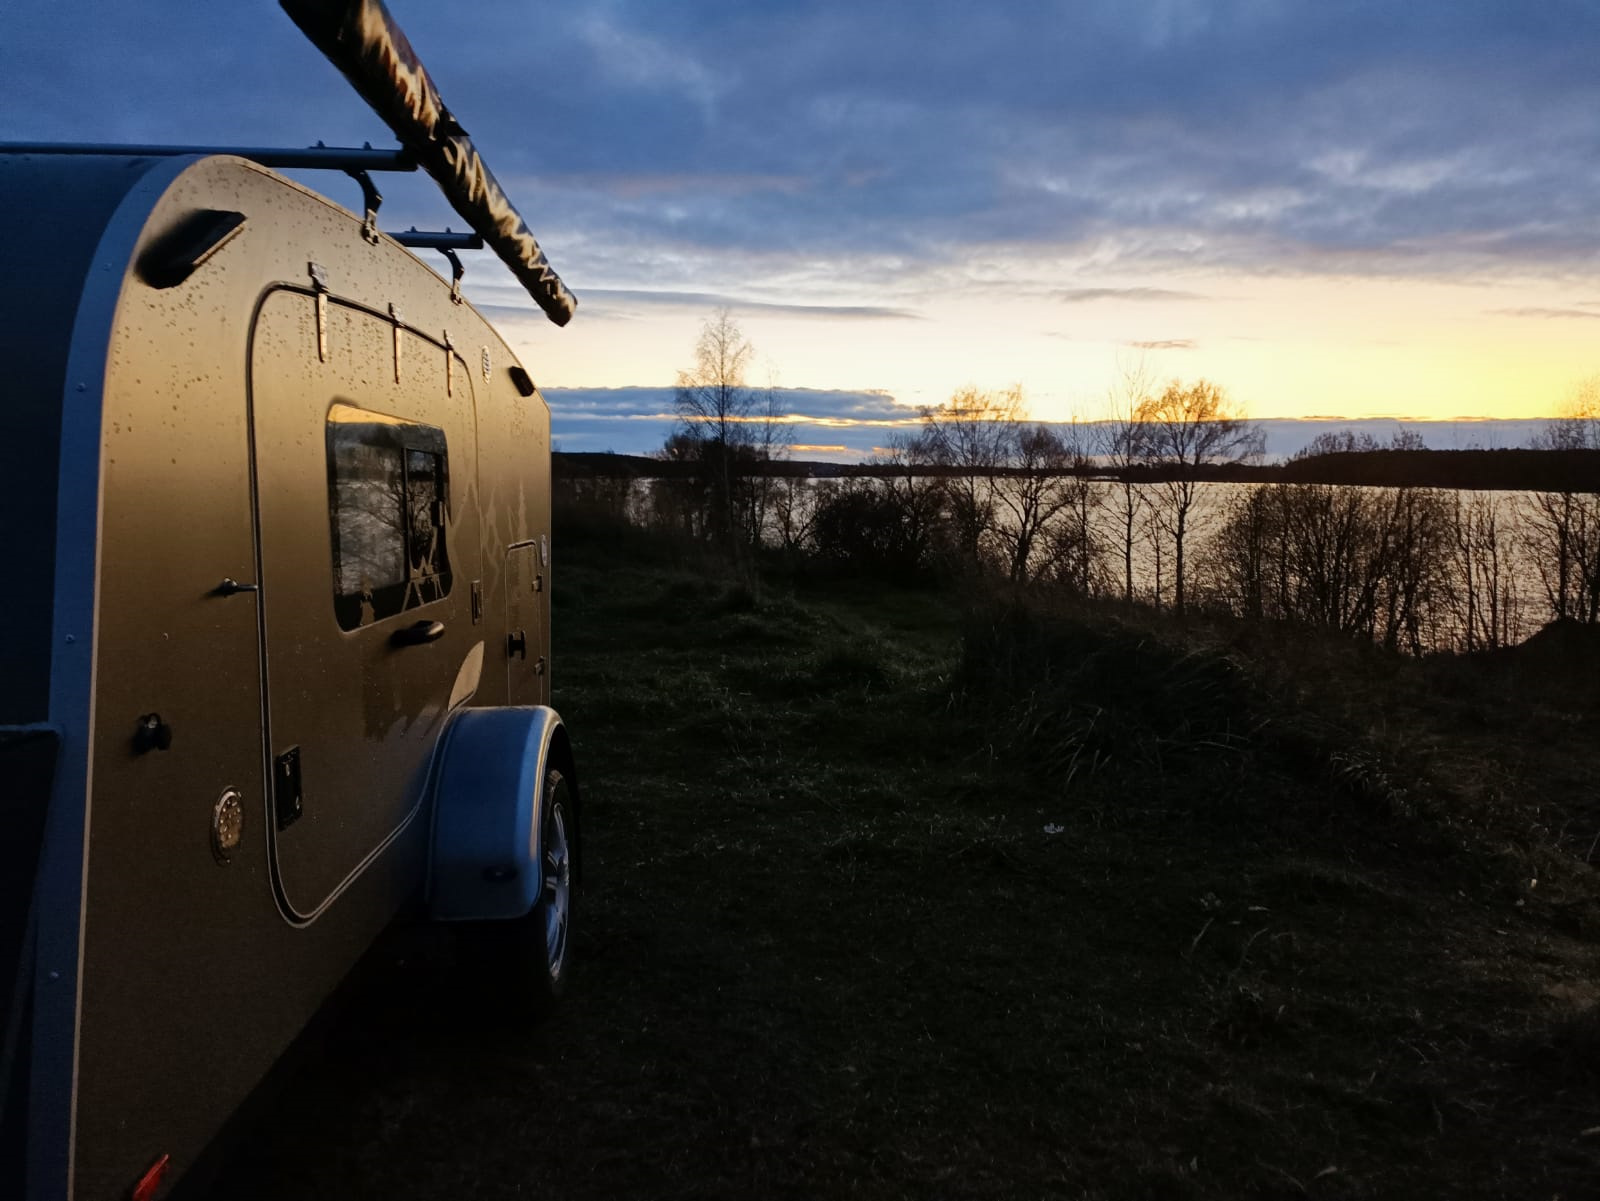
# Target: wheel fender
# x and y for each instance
(485, 861)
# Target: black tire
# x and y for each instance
(521, 964)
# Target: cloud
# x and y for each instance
(1166, 344)
(705, 300)
(1090, 295)
(1547, 313)
(849, 426)
(838, 408)
(632, 185)
(626, 56)
(638, 420)
(1433, 137)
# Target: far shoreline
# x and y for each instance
(1511, 470)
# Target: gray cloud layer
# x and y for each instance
(700, 301)
(637, 420)
(1265, 134)
(846, 427)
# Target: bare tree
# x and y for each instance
(967, 437)
(1121, 446)
(1578, 427)
(1034, 493)
(1074, 545)
(886, 525)
(680, 502)
(1561, 533)
(793, 510)
(1371, 561)
(1337, 442)
(1404, 439)
(918, 496)
(768, 445)
(1488, 607)
(1415, 537)
(1244, 560)
(1334, 552)
(714, 408)
(1184, 429)
(1562, 529)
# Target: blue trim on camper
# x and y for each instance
(58, 897)
(485, 858)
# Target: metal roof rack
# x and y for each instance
(337, 158)
(354, 161)
(363, 41)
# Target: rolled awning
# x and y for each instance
(363, 41)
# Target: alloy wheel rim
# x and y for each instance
(557, 890)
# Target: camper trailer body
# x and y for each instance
(279, 539)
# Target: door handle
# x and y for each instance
(417, 633)
(517, 644)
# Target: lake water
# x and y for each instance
(1520, 602)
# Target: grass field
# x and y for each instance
(895, 894)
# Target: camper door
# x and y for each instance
(365, 493)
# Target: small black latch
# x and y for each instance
(477, 602)
(517, 644)
(286, 801)
(152, 734)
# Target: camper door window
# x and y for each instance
(388, 494)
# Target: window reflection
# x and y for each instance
(388, 490)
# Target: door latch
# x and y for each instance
(286, 800)
(151, 734)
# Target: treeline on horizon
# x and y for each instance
(1380, 541)
(1512, 469)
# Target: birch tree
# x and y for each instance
(1185, 428)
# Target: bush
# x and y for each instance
(1080, 694)
(865, 529)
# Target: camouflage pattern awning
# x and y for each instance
(363, 41)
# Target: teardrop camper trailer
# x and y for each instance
(274, 665)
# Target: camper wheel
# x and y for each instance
(519, 965)
(545, 961)
(506, 849)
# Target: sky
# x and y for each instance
(1352, 210)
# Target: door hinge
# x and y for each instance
(399, 337)
(319, 286)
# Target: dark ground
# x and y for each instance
(1075, 911)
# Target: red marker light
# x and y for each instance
(151, 1180)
